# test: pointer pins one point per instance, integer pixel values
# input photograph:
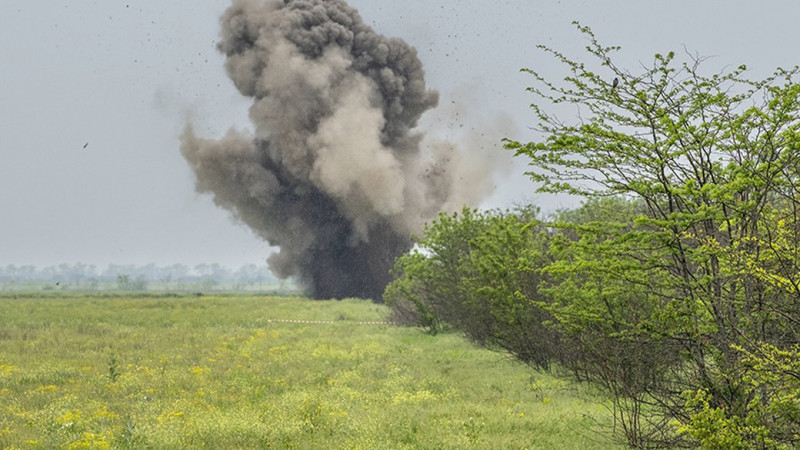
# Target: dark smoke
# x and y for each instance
(335, 174)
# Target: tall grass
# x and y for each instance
(219, 372)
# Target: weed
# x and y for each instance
(113, 367)
(129, 433)
(472, 430)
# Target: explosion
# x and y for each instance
(334, 173)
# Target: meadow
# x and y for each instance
(157, 371)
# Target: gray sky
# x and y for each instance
(125, 77)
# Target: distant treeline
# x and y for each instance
(136, 277)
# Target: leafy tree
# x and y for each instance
(124, 281)
(138, 284)
(604, 307)
(707, 274)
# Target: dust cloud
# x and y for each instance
(335, 172)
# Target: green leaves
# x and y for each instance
(479, 272)
(703, 270)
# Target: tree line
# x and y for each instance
(675, 287)
(136, 277)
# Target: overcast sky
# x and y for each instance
(94, 94)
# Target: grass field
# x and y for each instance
(95, 371)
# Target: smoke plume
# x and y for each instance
(334, 173)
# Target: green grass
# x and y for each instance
(216, 372)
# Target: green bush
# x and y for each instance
(479, 272)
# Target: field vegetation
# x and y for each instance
(150, 371)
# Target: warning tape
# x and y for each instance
(322, 322)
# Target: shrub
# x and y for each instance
(479, 272)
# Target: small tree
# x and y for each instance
(124, 282)
(708, 273)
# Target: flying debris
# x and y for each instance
(85, 145)
(334, 174)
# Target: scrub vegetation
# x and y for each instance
(675, 288)
(149, 371)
